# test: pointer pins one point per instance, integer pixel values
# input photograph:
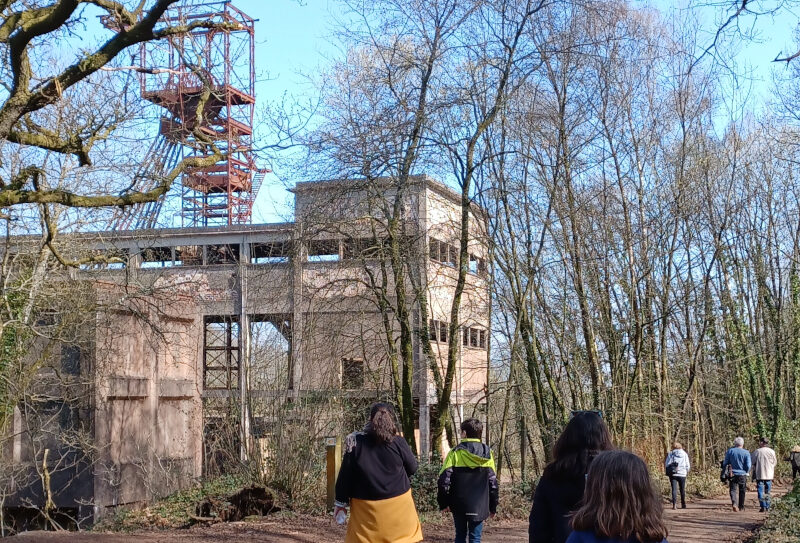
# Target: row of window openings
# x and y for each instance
(168, 257)
(260, 253)
(274, 253)
(447, 254)
(472, 336)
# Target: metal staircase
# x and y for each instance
(162, 156)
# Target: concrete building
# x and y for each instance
(193, 321)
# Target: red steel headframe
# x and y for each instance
(178, 76)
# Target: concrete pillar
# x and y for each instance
(424, 428)
(298, 256)
(244, 355)
(18, 435)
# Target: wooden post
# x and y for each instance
(333, 453)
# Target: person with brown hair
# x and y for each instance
(620, 504)
(560, 489)
(374, 481)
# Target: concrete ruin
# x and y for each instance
(200, 321)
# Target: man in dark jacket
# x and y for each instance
(468, 484)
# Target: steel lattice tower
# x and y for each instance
(204, 82)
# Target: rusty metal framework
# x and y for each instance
(204, 81)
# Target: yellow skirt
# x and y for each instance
(393, 520)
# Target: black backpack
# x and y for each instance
(726, 473)
(672, 467)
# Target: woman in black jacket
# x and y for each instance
(560, 489)
(374, 482)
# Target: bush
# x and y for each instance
(783, 522)
(703, 484)
(172, 511)
(424, 485)
(295, 468)
(515, 499)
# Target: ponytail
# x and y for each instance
(382, 425)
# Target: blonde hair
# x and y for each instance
(677, 445)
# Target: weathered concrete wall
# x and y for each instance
(148, 423)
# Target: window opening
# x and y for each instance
(270, 351)
(452, 256)
(221, 353)
(222, 254)
(157, 257)
(475, 337)
(366, 248)
(434, 250)
(189, 255)
(443, 252)
(275, 252)
(323, 250)
(438, 331)
(352, 374)
(477, 265)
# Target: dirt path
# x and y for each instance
(712, 521)
(704, 521)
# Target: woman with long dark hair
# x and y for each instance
(561, 486)
(620, 504)
(374, 481)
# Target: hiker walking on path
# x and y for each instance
(560, 489)
(677, 468)
(737, 463)
(468, 484)
(764, 462)
(620, 504)
(794, 458)
(374, 481)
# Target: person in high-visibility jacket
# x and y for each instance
(468, 484)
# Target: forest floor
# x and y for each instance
(704, 521)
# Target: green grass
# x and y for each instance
(783, 522)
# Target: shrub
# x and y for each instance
(424, 485)
(516, 498)
(173, 511)
(703, 484)
(783, 522)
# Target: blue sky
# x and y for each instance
(292, 39)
